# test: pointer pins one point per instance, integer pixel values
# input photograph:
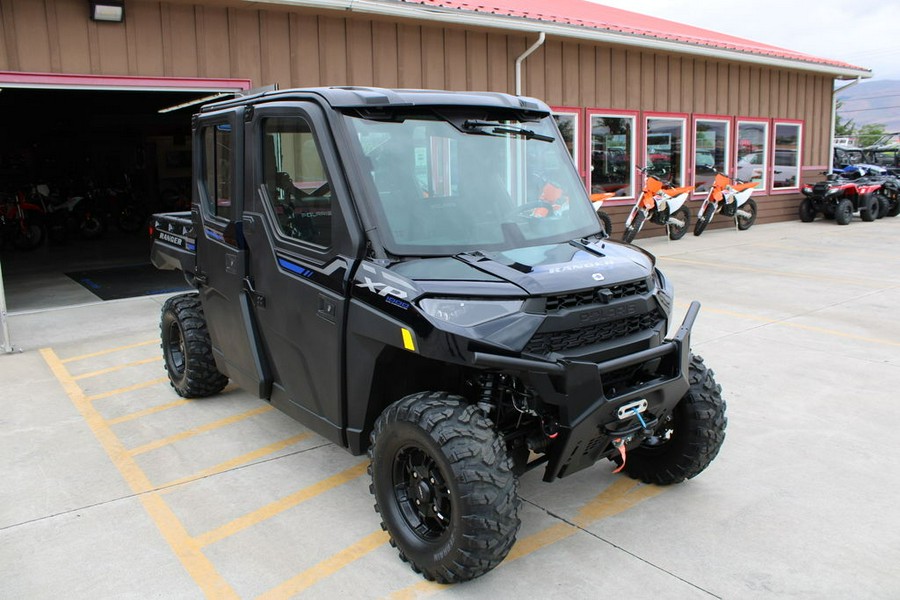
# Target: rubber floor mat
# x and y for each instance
(130, 281)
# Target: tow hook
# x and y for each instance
(620, 445)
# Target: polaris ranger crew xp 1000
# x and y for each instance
(420, 275)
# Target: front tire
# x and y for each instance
(636, 223)
(444, 486)
(187, 349)
(689, 439)
(705, 216)
(676, 231)
(807, 211)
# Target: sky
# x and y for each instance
(860, 32)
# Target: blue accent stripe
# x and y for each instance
(215, 235)
(294, 268)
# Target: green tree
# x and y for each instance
(870, 134)
(842, 127)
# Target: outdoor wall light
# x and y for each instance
(112, 11)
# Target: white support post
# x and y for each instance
(4, 327)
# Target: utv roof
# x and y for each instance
(372, 97)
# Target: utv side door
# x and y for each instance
(221, 252)
(301, 252)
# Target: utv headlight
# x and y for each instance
(467, 313)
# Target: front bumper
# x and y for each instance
(588, 402)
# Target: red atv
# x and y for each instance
(852, 189)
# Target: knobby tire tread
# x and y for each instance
(697, 437)
(487, 500)
(201, 377)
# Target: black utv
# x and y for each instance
(420, 275)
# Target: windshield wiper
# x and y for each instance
(503, 128)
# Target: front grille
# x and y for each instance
(557, 341)
(600, 295)
(820, 188)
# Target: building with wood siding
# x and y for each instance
(629, 89)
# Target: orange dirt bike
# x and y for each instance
(731, 197)
(597, 200)
(660, 204)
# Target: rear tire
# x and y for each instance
(606, 221)
(746, 222)
(444, 486)
(843, 212)
(676, 232)
(870, 212)
(689, 439)
(807, 211)
(187, 349)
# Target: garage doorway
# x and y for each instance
(91, 158)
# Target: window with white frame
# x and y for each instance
(786, 163)
(612, 154)
(568, 123)
(664, 155)
(711, 145)
(752, 152)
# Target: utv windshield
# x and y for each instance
(444, 185)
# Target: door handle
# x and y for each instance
(258, 299)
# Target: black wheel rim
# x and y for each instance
(175, 350)
(422, 493)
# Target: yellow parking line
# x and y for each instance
(279, 506)
(130, 388)
(188, 552)
(146, 412)
(198, 430)
(240, 460)
(109, 351)
(622, 495)
(117, 368)
(327, 567)
(876, 283)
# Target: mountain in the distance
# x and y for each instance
(872, 102)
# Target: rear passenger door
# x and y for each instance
(221, 254)
(301, 249)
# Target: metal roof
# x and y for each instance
(587, 20)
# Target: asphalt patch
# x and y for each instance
(113, 283)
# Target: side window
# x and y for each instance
(217, 170)
(296, 183)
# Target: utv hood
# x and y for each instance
(536, 270)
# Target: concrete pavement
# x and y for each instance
(114, 487)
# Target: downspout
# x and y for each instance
(522, 58)
(834, 120)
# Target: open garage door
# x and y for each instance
(84, 160)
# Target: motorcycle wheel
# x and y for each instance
(606, 221)
(129, 220)
(637, 221)
(704, 218)
(91, 228)
(676, 231)
(746, 220)
(28, 236)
